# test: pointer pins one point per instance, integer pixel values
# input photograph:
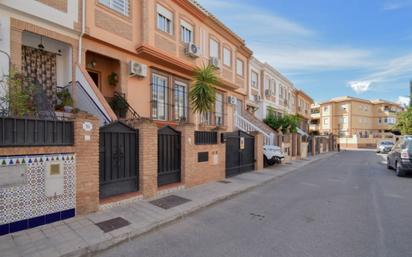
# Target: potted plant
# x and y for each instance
(119, 106)
(65, 101)
(113, 79)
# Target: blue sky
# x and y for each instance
(329, 48)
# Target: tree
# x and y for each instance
(404, 122)
(203, 94)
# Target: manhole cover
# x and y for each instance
(225, 181)
(112, 224)
(169, 201)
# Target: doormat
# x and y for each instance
(169, 201)
(225, 181)
(112, 224)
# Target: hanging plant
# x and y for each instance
(113, 79)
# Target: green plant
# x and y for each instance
(286, 123)
(404, 122)
(17, 97)
(203, 94)
(113, 78)
(119, 106)
(65, 98)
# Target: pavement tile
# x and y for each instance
(77, 233)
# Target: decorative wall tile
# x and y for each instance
(28, 200)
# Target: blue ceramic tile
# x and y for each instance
(18, 225)
(50, 218)
(67, 214)
(38, 221)
(4, 229)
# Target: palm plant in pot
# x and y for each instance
(65, 100)
(202, 96)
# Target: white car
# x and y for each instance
(272, 155)
(384, 147)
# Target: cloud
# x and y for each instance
(403, 100)
(399, 68)
(313, 58)
(254, 21)
(360, 86)
(396, 5)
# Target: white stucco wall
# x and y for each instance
(45, 12)
(4, 43)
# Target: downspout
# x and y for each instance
(79, 51)
(82, 31)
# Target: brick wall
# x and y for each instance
(86, 146)
(147, 157)
(60, 5)
(196, 173)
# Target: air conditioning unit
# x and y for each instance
(192, 50)
(232, 100)
(137, 69)
(268, 92)
(214, 62)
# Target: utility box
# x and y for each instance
(54, 179)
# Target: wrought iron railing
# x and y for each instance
(129, 109)
(20, 132)
(205, 137)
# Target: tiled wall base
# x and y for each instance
(35, 222)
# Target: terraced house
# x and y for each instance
(110, 117)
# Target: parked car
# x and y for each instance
(384, 147)
(272, 155)
(400, 157)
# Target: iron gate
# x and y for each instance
(118, 154)
(239, 160)
(169, 156)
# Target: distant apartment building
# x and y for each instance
(351, 117)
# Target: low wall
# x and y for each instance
(40, 185)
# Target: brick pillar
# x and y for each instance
(147, 157)
(187, 149)
(294, 145)
(314, 147)
(86, 144)
(259, 141)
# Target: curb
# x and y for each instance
(90, 251)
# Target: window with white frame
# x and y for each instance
(180, 100)
(120, 6)
(325, 121)
(239, 67)
(164, 19)
(227, 57)
(254, 79)
(219, 109)
(213, 48)
(186, 32)
(159, 97)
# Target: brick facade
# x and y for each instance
(60, 5)
(194, 172)
(86, 147)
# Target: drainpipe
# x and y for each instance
(9, 58)
(82, 31)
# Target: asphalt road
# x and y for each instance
(347, 205)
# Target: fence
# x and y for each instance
(16, 132)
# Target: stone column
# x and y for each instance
(187, 131)
(86, 145)
(147, 157)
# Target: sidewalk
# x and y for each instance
(80, 236)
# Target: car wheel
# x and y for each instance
(388, 164)
(399, 171)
